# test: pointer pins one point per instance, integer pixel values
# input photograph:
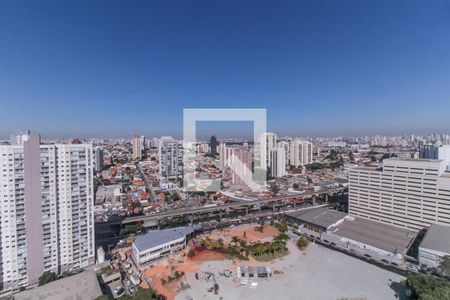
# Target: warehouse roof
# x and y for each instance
(382, 236)
(319, 216)
(158, 237)
(437, 238)
(79, 286)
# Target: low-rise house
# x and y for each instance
(109, 195)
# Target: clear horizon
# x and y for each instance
(354, 68)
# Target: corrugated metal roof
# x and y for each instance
(158, 237)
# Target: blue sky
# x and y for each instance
(115, 68)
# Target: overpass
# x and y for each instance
(220, 208)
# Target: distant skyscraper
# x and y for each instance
(98, 162)
(428, 152)
(137, 150)
(278, 162)
(47, 221)
(170, 158)
(213, 145)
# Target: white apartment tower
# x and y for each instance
(411, 193)
(137, 149)
(278, 162)
(268, 143)
(170, 158)
(47, 209)
(286, 146)
(301, 152)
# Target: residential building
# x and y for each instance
(109, 195)
(278, 162)
(286, 146)
(301, 153)
(410, 193)
(47, 215)
(268, 143)
(222, 154)
(137, 150)
(98, 159)
(170, 158)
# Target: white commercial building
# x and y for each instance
(444, 154)
(435, 246)
(411, 193)
(278, 163)
(170, 158)
(156, 244)
(301, 153)
(47, 209)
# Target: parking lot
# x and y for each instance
(318, 273)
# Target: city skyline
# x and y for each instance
(320, 69)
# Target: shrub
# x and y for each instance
(302, 243)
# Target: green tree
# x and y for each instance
(426, 287)
(444, 267)
(142, 294)
(274, 188)
(235, 240)
(47, 277)
(302, 243)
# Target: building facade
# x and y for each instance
(170, 158)
(301, 153)
(213, 145)
(136, 147)
(98, 159)
(410, 193)
(278, 163)
(47, 220)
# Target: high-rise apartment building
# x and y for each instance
(213, 145)
(301, 153)
(286, 146)
(136, 145)
(278, 162)
(222, 154)
(411, 193)
(47, 209)
(170, 158)
(268, 143)
(98, 159)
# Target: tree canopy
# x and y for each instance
(427, 287)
